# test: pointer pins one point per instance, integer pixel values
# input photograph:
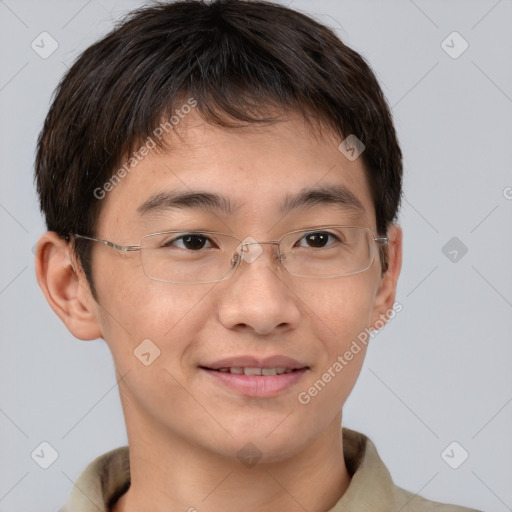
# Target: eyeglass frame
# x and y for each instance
(237, 258)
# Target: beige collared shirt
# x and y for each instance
(371, 488)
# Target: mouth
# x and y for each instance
(254, 370)
(256, 381)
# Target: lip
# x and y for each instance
(262, 386)
(257, 386)
(277, 361)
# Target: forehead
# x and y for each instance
(254, 172)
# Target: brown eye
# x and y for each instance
(194, 242)
(190, 241)
(317, 240)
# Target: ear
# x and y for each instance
(385, 297)
(65, 287)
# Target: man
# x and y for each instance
(221, 183)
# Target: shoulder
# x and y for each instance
(408, 502)
(100, 483)
(371, 486)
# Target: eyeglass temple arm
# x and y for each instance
(117, 247)
(381, 239)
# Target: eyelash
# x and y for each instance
(169, 243)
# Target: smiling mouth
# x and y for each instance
(255, 371)
(255, 381)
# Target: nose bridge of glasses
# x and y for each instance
(251, 249)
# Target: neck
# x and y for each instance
(169, 474)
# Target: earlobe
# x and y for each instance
(65, 287)
(385, 297)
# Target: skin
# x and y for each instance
(184, 430)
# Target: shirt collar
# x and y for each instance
(107, 477)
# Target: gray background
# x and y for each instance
(438, 372)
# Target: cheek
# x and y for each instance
(133, 308)
(339, 309)
(340, 315)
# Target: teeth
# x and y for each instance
(252, 371)
(256, 371)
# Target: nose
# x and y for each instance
(258, 297)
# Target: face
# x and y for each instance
(260, 312)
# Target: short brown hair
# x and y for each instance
(234, 57)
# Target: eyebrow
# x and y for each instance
(337, 195)
(201, 200)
